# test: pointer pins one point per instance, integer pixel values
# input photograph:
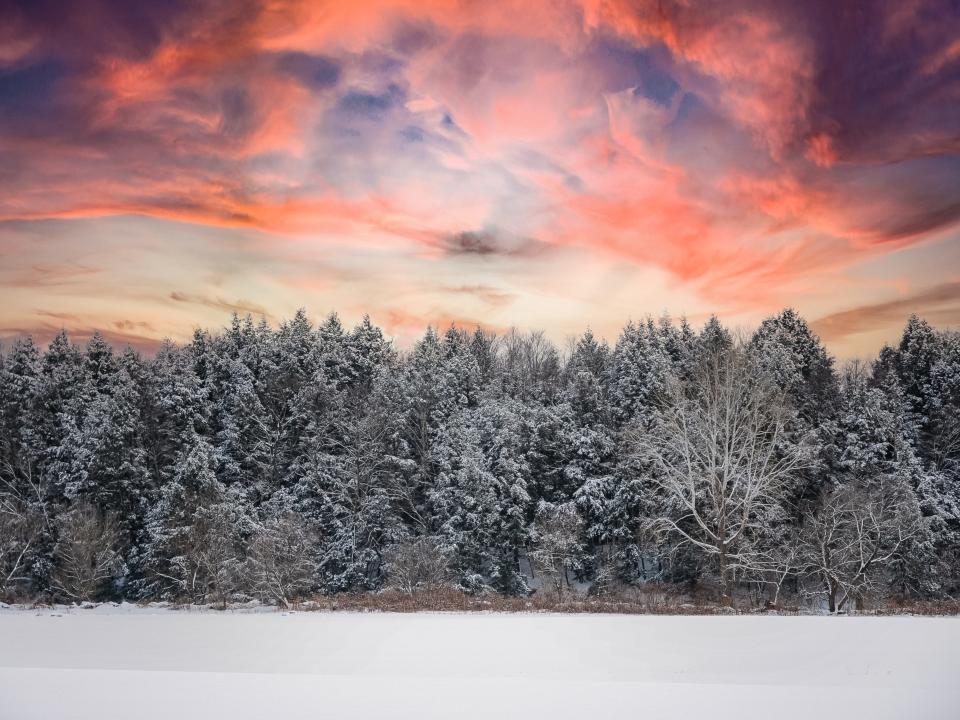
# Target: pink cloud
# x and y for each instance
(775, 157)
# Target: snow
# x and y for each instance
(124, 661)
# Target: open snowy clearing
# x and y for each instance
(155, 664)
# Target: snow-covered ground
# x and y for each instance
(170, 665)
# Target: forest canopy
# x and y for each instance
(277, 463)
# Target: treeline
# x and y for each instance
(280, 463)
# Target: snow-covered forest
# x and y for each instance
(280, 463)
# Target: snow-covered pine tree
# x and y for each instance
(786, 350)
(369, 352)
(875, 452)
(463, 502)
(923, 371)
(23, 497)
(355, 497)
(195, 533)
(327, 454)
(505, 436)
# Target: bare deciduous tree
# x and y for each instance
(87, 553)
(557, 536)
(771, 567)
(210, 566)
(853, 534)
(19, 533)
(945, 443)
(418, 563)
(280, 563)
(527, 361)
(719, 458)
(23, 518)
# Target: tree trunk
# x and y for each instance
(724, 597)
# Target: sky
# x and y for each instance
(546, 164)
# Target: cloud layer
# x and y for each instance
(446, 159)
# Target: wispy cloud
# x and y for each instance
(486, 293)
(43, 333)
(218, 303)
(489, 243)
(940, 304)
(48, 275)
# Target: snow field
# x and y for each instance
(164, 665)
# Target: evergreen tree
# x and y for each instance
(24, 520)
(463, 502)
(270, 463)
(640, 365)
(369, 352)
(194, 532)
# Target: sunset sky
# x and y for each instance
(545, 164)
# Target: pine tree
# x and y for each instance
(270, 463)
(335, 353)
(24, 518)
(289, 363)
(463, 502)
(355, 495)
(194, 533)
(640, 366)
(242, 438)
(785, 347)
(786, 350)
(714, 339)
(505, 434)
(369, 352)
(176, 409)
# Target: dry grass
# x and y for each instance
(918, 607)
(649, 599)
(652, 600)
